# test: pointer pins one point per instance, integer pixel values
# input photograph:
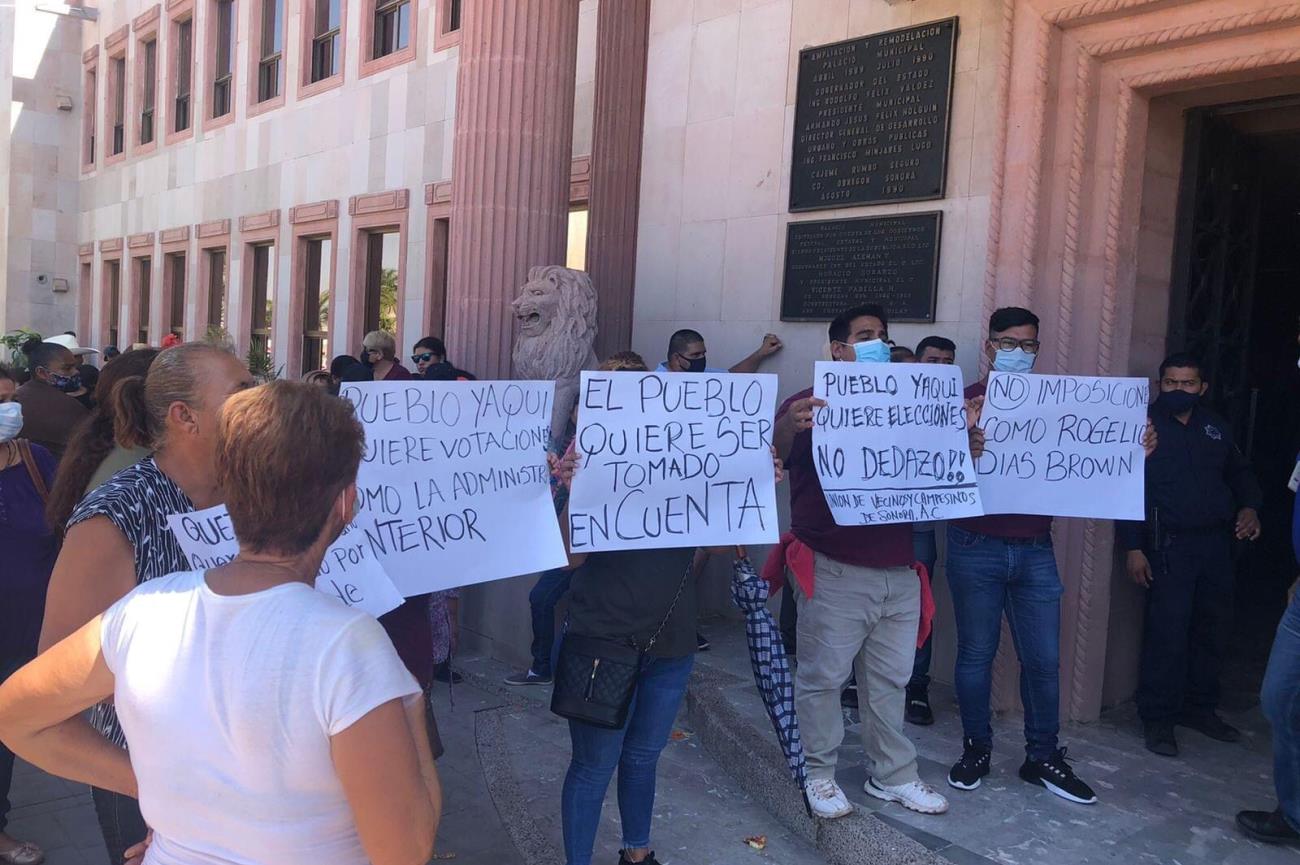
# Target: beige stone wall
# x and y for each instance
(389, 131)
(40, 62)
(715, 174)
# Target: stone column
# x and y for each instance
(510, 175)
(622, 35)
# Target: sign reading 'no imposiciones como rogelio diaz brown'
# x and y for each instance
(872, 117)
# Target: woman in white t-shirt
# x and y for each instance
(267, 722)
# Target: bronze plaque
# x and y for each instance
(871, 118)
(833, 264)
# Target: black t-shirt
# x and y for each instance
(624, 594)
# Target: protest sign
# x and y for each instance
(1063, 445)
(208, 540)
(454, 487)
(890, 445)
(673, 460)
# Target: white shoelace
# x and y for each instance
(823, 789)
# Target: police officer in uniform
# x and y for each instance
(1200, 494)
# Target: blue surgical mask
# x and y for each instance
(11, 420)
(1013, 360)
(871, 351)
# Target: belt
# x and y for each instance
(1012, 542)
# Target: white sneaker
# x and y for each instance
(827, 799)
(914, 796)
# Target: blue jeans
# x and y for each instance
(1280, 698)
(988, 576)
(633, 750)
(551, 586)
(926, 551)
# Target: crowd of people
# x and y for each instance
(314, 726)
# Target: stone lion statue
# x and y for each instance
(556, 313)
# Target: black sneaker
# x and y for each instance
(973, 766)
(702, 644)
(918, 709)
(1267, 826)
(648, 860)
(1055, 774)
(1160, 739)
(1211, 725)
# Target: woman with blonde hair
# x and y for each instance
(269, 723)
(118, 537)
(380, 354)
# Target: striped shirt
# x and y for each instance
(137, 500)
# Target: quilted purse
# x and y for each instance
(595, 678)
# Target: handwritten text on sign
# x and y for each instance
(454, 486)
(347, 572)
(673, 460)
(891, 444)
(1062, 445)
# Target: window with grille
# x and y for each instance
(392, 26)
(175, 276)
(325, 40)
(268, 67)
(113, 276)
(216, 288)
(382, 261)
(184, 73)
(223, 62)
(259, 337)
(143, 288)
(315, 307)
(148, 94)
(119, 105)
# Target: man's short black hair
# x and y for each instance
(433, 345)
(682, 340)
(1183, 360)
(839, 329)
(942, 343)
(341, 364)
(1011, 316)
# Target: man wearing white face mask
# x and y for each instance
(1006, 562)
(27, 551)
(859, 604)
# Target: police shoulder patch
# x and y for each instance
(1213, 432)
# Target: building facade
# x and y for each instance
(298, 172)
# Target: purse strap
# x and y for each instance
(38, 481)
(686, 575)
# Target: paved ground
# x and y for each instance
(1152, 810)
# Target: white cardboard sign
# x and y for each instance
(208, 540)
(890, 445)
(673, 460)
(454, 486)
(1063, 445)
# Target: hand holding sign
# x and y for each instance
(890, 443)
(673, 460)
(1068, 446)
(348, 572)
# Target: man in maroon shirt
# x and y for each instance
(859, 612)
(1006, 563)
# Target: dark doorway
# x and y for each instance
(1235, 302)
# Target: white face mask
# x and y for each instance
(11, 420)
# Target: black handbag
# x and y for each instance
(595, 677)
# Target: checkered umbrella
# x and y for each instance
(771, 666)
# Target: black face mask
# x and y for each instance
(1176, 402)
(695, 364)
(441, 371)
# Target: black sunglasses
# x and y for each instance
(422, 358)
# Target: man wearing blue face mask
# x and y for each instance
(859, 605)
(1006, 562)
(1200, 494)
(49, 413)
